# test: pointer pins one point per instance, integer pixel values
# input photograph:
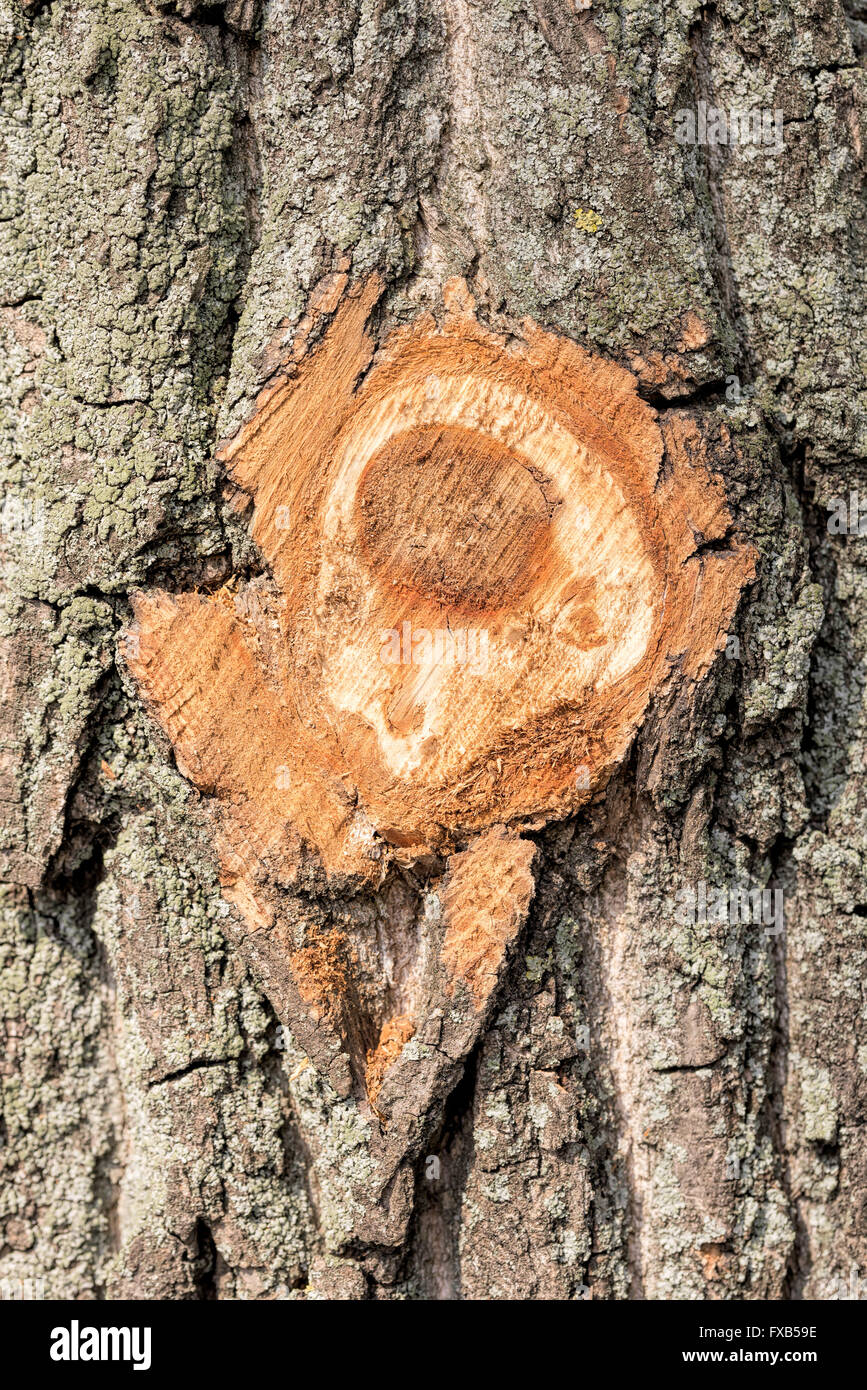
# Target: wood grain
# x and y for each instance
(486, 562)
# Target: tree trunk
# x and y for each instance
(565, 1001)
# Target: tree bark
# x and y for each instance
(594, 1029)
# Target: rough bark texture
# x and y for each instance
(641, 1106)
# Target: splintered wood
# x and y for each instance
(486, 895)
(486, 562)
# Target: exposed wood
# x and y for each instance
(485, 899)
(484, 571)
(484, 568)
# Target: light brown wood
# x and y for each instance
(485, 574)
(486, 894)
(486, 562)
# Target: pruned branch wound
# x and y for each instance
(485, 565)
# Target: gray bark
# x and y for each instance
(653, 1110)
